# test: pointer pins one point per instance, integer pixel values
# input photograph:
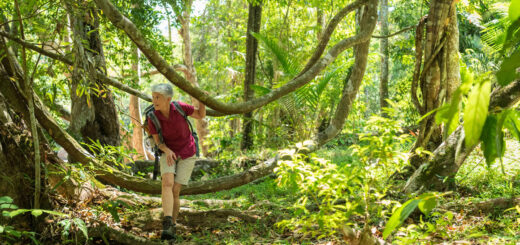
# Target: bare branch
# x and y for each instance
(325, 36)
(395, 33)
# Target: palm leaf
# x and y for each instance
(289, 65)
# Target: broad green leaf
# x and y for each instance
(514, 10)
(507, 72)
(513, 124)
(489, 139)
(427, 205)
(37, 212)
(449, 113)
(54, 213)
(81, 225)
(1, 229)
(17, 212)
(8, 206)
(6, 199)
(476, 111)
(399, 216)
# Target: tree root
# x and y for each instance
(483, 207)
(121, 237)
(150, 220)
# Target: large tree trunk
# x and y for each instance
(452, 153)
(135, 115)
(253, 25)
(17, 153)
(191, 73)
(439, 76)
(383, 76)
(93, 112)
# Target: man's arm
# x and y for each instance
(199, 113)
(170, 155)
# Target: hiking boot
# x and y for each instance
(168, 232)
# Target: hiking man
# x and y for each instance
(178, 147)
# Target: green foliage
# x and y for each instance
(318, 185)
(475, 111)
(113, 207)
(113, 155)
(383, 142)
(287, 62)
(514, 10)
(69, 225)
(10, 210)
(426, 203)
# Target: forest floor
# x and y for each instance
(250, 214)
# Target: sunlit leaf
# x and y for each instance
(81, 225)
(36, 212)
(508, 69)
(476, 111)
(6, 199)
(514, 10)
(399, 216)
(427, 203)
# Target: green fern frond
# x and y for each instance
(289, 66)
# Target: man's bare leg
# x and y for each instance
(167, 195)
(168, 231)
(176, 201)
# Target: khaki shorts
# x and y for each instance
(181, 170)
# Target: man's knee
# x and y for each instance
(167, 181)
(176, 189)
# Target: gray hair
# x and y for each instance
(164, 89)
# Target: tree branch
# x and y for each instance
(353, 80)
(395, 33)
(419, 34)
(168, 71)
(104, 78)
(325, 36)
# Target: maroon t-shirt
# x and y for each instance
(175, 130)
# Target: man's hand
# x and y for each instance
(170, 157)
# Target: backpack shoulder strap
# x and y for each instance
(183, 114)
(149, 112)
(180, 110)
(193, 133)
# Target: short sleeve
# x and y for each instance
(188, 109)
(151, 127)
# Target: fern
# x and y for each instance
(494, 35)
(289, 65)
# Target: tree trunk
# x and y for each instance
(452, 153)
(253, 25)
(367, 20)
(191, 73)
(93, 111)
(383, 76)
(17, 151)
(135, 114)
(439, 76)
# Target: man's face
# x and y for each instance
(159, 101)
